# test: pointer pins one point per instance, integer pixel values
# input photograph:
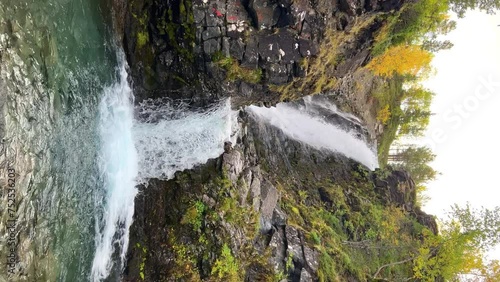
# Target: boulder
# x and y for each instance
(211, 46)
(251, 55)
(265, 13)
(278, 250)
(305, 276)
(312, 258)
(211, 32)
(294, 245)
(269, 199)
(279, 217)
(233, 164)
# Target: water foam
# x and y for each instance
(164, 138)
(299, 124)
(118, 164)
(171, 137)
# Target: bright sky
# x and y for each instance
(464, 132)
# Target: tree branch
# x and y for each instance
(391, 264)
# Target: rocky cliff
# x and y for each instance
(256, 51)
(269, 208)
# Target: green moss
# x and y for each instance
(236, 72)
(180, 79)
(321, 69)
(194, 215)
(142, 39)
(143, 261)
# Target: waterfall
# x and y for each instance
(316, 123)
(164, 137)
(171, 137)
(118, 166)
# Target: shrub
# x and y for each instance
(226, 267)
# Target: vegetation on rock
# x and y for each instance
(361, 225)
(234, 71)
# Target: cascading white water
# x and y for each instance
(302, 124)
(118, 164)
(322, 102)
(171, 137)
(165, 138)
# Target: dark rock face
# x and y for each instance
(399, 189)
(253, 224)
(161, 207)
(172, 46)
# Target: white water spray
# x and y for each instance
(165, 138)
(311, 129)
(119, 168)
(171, 137)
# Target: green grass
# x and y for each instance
(236, 72)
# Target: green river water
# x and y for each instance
(56, 59)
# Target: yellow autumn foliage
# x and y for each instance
(401, 59)
(384, 114)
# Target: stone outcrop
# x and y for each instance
(173, 46)
(161, 208)
(181, 49)
(398, 188)
(245, 208)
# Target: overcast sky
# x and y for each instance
(464, 133)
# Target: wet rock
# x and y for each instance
(166, 58)
(306, 31)
(199, 33)
(294, 245)
(237, 48)
(225, 47)
(306, 48)
(288, 47)
(279, 217)
(298, 70)
(228, 146)
(269, 49)
(278, 250)
(211, 46)
(244, 186)
(199, 16)
(305, 276)
(211, 32)
(277, 74)
(269, 199)
(236, 12)
(298, 11)
(264, 13)
(251, 55)
(215, 16)
(312, 258)
(245, 89)
(233, 164)
(352, 7)
(352, 63)
(255, 190)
